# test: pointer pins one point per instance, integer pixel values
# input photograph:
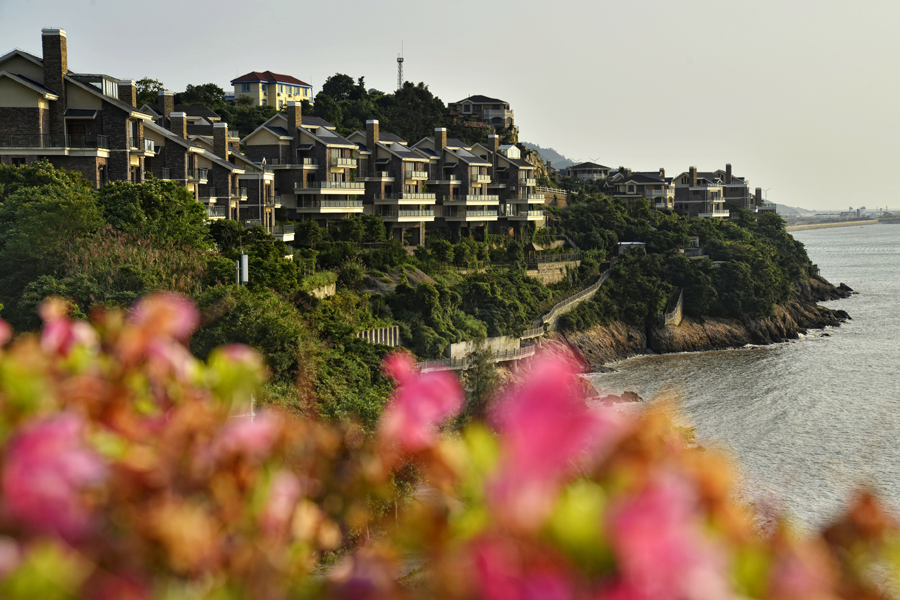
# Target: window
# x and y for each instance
(18, 161)
(280, 88)
(245, 87)
(264, 102)
(265, 89)
(280, 103)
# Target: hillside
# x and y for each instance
(550, 155)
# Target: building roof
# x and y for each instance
(311, 121)
(206, 130)
(189, 110)
(481, 100)
(385, 136)
(132, 111)
(268, 77)
(30, 83)
(279, 131)
(585, 166)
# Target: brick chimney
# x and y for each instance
(178, 124)
(693, 171)
(494, 142)
(759, 197)
(728, 173)
(56, 65)
(127, 92)
(294, 113)
(166, 101)
(440, 140)
(662, 172)
(627, 172)
(220, 140)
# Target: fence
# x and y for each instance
(570, 302)
(533, 332)
(461, 364)
(549, 258)
(387, 336)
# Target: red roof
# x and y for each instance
(268, 77)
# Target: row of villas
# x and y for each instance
(692, 193)
(91, 124)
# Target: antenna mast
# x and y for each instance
(400, 68)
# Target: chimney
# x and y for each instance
(693, 171)
(728, 173)
(220, 140)
(178, 124)
(56, 65)
(440, 139)
(166, 101)
(759, 198)
(494, 142)
(662, 172)
(294, 113)
(372, 134)
(627, 172)
(127, 92)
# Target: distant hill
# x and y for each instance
(791, 211)
(549, 154)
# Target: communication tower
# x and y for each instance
(400, 69)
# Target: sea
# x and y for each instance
(809, 421)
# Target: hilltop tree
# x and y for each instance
(147, 90)
(207, 94)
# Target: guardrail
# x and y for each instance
(415, 174)
(564, 306)
(461, 364)
(673, 315)
(548, 190)
(548, 258)
(343, 162)
(406, 213)
(532, 333)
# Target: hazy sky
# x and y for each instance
(799, 96)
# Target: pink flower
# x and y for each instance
(46, 467)
(166, 357)
(544, 426)
(6, 332)
(243, 354)
(419, 404)
(60, 334)
(503, 575)
(251, 439)
(166, 315)
(283, 495)
(660, 548)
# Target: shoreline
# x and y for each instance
(829, 225)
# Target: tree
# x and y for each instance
(147, 90)
(339, 87)
(157, 208)
(481, 380)
(207, 94)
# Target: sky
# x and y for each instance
(799, 96)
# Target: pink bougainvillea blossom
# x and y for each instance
(419, 404)
(46, 468)
(166, 315)
(60, 333)
(252, 439)
(6, 332)
(502, 574)
(544, 426)
(284, 492)
(660, 548)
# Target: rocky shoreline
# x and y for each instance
(600, 346)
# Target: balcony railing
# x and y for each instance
(406, 213)
(233, 135)
(248, 223)
(406, 196)
(343, 162)
(197, 174)
(142, 144)
(277, 199)
(527, 213)
(490, 114)
(282, 230)
(164, 173)
(659, 193)
(474, 198)
(481, 178)
(209, 192)
(535, 197)
(416, 174)
(240, 193)
(52, 140)
(329, 185)
(331, 204)
(527, 181)
(264, 168)
(314, 162)
(715, 213)
(217, 212)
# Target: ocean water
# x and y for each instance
(810, 420)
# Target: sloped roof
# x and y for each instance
(586, 165)
(481, 99)
(385, 136)
(30, 83)
(268, 77)
(279, 131)
(132, 111)
(189, 110)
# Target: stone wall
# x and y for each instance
(496, 344)
(553, 272)
(21, 120)
(89, 166)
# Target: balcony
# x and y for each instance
(208, 194)
(54, 141)
(527, 182)
(714, 214)
(197, 175)
(142, 146)
(233, 135)
(481, 178)
(451, 179)
(277, 199)
(523, 197)
(285, 233)
(268, 201)
(165, 174)
(343, 162)
(526, 215)
(404, 197)
(659, 193)
(492, 113)
(217, 212)
(330, 206)
(319, 187)
(470, 215)
(239, 193)
(400, 216)
(416, 174)
(467, 199)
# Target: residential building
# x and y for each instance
(700, 195)
(513, 180)
(394, 176)
(314, 169)
(587, 171)
(652, 185)
(736, 190)
(271, 89)
(460, 180)
(491, 111)
(81, 122)
(200, 119)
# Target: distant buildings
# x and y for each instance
(490, 111)
(588, 171)
(271, 89)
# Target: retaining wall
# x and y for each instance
(497, 344)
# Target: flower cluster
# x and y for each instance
(131, 470)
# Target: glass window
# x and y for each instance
(264, 102)
(245, 87)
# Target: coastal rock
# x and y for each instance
(600, 345)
